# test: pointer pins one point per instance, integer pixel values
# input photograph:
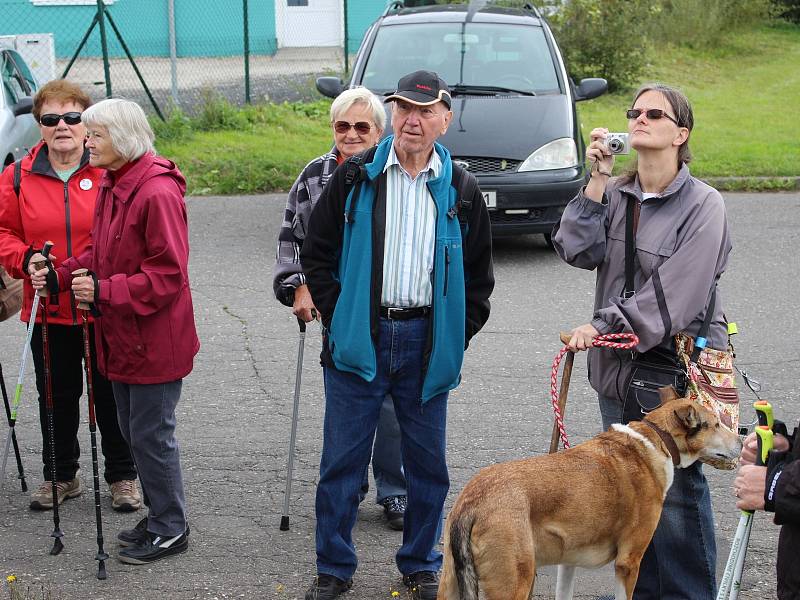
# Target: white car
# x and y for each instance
(18, 129)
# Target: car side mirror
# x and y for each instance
(24, 106)
(330, 86)
(591, 87)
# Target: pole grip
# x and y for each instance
(764, 413)
(565, 337)
(302, 325)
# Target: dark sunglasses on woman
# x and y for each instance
(362, 127)
(650, 113)
(52, 119)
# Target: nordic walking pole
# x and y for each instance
(101, 555)
(765, 444)
(293, 435)
(564, 390)
(20, 468)
(12, 420)
(731, 580)
(58, 545)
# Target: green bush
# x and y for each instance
(606, 38)
(787, 9)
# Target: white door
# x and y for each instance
(308, 23)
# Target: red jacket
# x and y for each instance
(140, 254)
(47, 209)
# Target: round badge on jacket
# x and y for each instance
(86, 184)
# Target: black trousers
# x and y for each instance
(66, 366)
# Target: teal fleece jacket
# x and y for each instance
(343, 263)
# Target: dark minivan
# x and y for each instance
(514, 120)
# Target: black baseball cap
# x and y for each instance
(422, 88)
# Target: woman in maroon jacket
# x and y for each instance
(50, 195)
(146, 338)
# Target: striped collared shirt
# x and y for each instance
(409, 242)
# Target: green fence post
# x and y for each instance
(346, 45)
(101, 20)
(246, 54)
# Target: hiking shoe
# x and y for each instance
(137, 535)
(42, 498)
(125, 496)
(154, 547)
(423, 585)
(394, 507)
(327, 587)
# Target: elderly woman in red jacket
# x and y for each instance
(146, 338)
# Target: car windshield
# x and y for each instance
(514, 57)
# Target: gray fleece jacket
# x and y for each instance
(682, 248)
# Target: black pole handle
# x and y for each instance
(302, 325)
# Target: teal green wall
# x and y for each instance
(360, 15)
(203, 27)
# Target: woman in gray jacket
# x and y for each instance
(682, 248)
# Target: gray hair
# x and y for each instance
(359, 95)
(127, 125)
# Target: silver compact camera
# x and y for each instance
(618, 143)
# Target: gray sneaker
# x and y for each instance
(42, 498)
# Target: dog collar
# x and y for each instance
(672, 447)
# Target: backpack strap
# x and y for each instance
(466, 187)
(17, 176)
(355, 173)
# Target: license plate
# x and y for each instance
(490, 198)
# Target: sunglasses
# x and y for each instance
(650, 113)
(362, 127)
(52, 119)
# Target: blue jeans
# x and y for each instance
(387, 466)
(352, 410)
(681, 561)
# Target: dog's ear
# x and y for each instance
(688, 416)
(667, 394)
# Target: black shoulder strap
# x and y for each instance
(355, 173)
(465, 187)
(17, 176)
(702, 336)
(630, 245)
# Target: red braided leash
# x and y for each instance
(602, 341)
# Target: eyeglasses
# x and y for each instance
(650, 113)
(52, 119)
(362, 127)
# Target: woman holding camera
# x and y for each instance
(682, 245)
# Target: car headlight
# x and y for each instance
(558, 154)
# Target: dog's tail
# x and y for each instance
(459, 569)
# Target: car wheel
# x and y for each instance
(548, 239)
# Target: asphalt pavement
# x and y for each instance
(235, 414)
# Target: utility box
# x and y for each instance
(38, 50)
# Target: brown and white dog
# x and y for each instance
(583, 507)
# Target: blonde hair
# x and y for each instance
(127, 125)
(359, 95)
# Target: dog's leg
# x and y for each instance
(565, 582)
(626, 569)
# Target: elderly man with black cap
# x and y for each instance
(398, 260)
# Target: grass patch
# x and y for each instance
(742, 91)
(226, 150)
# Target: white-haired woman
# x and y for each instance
(358, 119)
(145, 336)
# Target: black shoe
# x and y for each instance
(154, 548)
(394, 507)
(327, 587)
(137, 535)
(423, 585)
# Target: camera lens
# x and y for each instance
(615, 144)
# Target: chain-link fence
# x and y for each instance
(180, 51)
